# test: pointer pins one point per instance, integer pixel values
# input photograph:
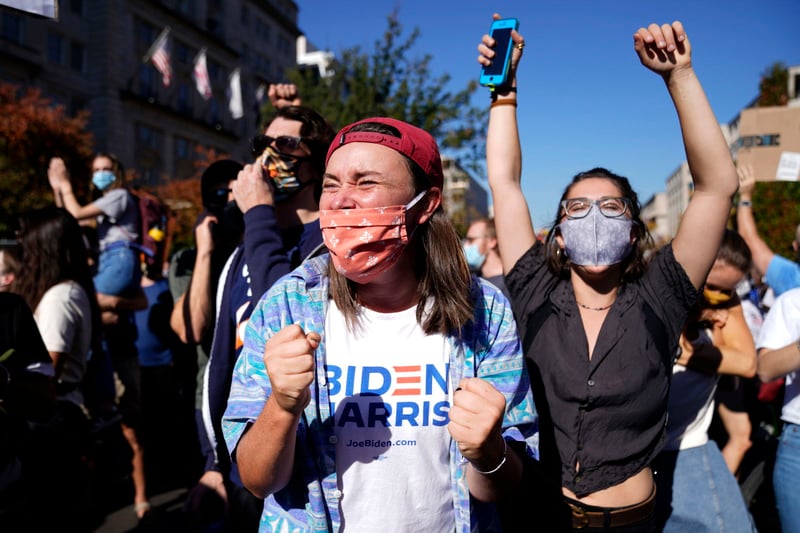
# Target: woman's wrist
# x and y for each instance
(499, 464)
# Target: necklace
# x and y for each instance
(590, 308)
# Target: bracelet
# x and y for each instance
(745, 203)
(498, 467)
(506, 101)
(494, 91)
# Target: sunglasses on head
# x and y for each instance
(283, 143)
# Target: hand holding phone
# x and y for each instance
(496, 74)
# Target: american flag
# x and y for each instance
(200, 75)
(159, 54)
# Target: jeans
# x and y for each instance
(785, 478)
(118, 272)
(697, 493)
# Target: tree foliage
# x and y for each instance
(185, 200)
(389, 81)
(776, 206)
(32, 130)
(774, 86)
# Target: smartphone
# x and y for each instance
(496, 74)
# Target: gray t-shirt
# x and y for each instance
(120, 219)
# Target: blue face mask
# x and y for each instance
(102, 179)
(475, 259)
(596, 240)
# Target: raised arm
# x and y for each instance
(193, 313)
(58, 176)
(666, 51)
(746, 222)
(512, 218)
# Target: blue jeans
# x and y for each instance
(118, 272)
(697, 493)
(785, 478)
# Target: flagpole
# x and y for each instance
(153, 47)
(148, 55)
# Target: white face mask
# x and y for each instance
(596, 240)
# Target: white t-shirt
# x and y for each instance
(781, 327)
(691, 404)
(64, 317)
(391, 397)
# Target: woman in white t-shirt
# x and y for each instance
(117, 217)
(56, 283)
(779, 356)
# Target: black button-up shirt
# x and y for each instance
(602, 419)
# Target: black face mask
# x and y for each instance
(230, 223)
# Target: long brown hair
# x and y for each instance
(52, 250)
(441, 267)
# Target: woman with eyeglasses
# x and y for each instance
(600, 325)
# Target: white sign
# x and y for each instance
(788, 167)
(44, 8)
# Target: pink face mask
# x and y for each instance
(365, 243)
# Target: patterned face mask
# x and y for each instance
(282, 171)
(596, 240)
(365, 243)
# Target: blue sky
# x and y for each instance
(584, 99)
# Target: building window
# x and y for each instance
(214, 71)
(12, 27)
(148, 154)
(76, 6)
(183, 54)
(213, 111)
(184, 158)
(284, 46)
(184, 98)
(77, 57)
(55, 48)
(147, 81)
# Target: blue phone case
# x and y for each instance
(496, 74)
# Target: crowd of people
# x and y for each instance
(331, 354)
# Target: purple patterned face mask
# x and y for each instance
(596, 240)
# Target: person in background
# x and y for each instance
(27, 394)
(381, 386)
(483, 257)
(193, 280)
(56, 283)
(279, 196)
(696, 489)
(9, 268)
(779, 356)
(601, 325)
(780, 274)
(118, 221)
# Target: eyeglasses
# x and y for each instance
(283, 143)
(610, 206)
(221, 193)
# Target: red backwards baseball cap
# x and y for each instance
(414, 143)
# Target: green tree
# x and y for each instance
(774, 86)
(389, 81)
(776, 205)
(32, 130)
